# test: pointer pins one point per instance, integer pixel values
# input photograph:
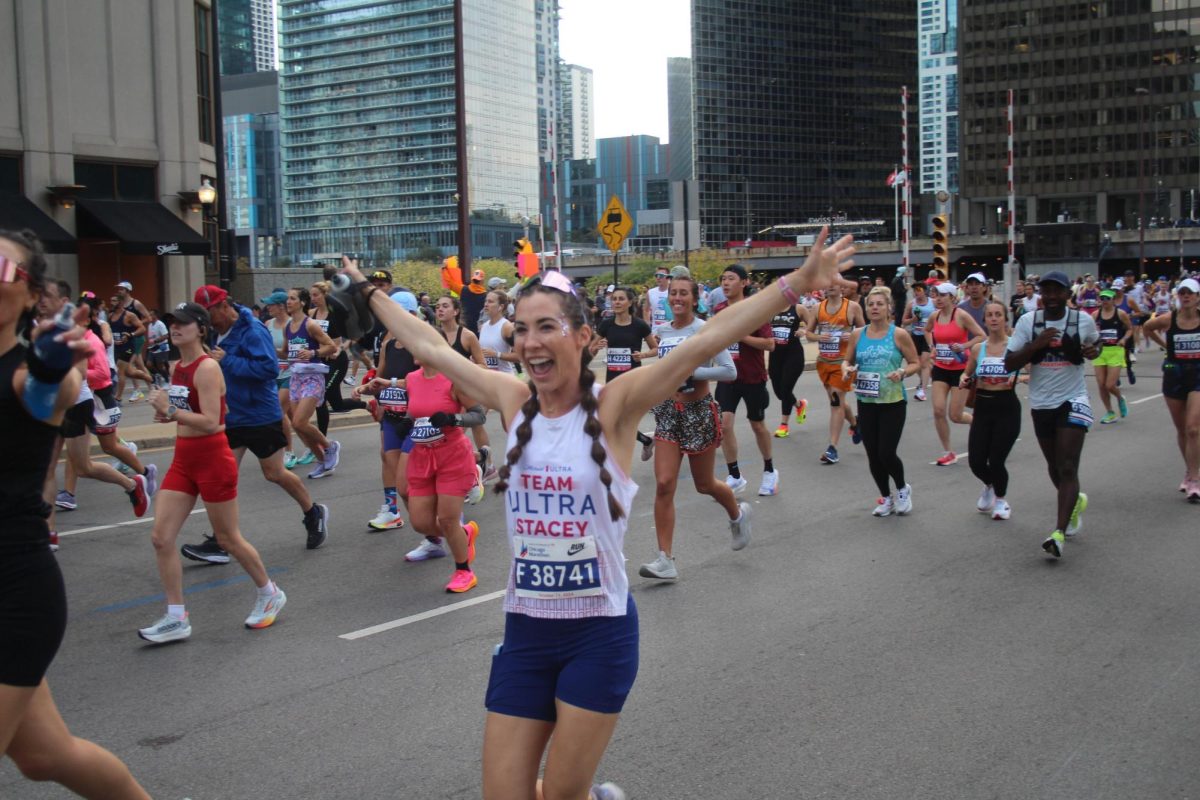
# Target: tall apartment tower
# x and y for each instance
(368, 124)
(576, 112)
(1104, 91)
(797, 110)
(548, 70)
(247, 36)
(937, 41)
(679, 117)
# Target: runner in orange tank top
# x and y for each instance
(830, 324)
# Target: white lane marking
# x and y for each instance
(95, 528)
(424, 615)
(1144, 399)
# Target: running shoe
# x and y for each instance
(476, 492)
(987, 499)
(427, 549)
(830, 456)
(1108, 418)
(662, 568)
(349, 380)
(770, 484)
(1123, 406)
(1193, 493)
(333, 454)
(316, 524)
(151, 479)
(1129, 372)
(137, 396)
(1002, 510)
(167, 629)
(948, 459)
(139, 496)
(119, 465)
(462, 580)
(266, 609)
(802, 411)
(855, 436)
(1075, 524)
(320, 471)
(920, 393)
(386, 519)
(290, 460)
(471, 529)
(53, 541)
(65, 501)
(1184, 485)
(306, 459)
(1054, 544)
(782, 431)
(207, 551)
(740, 527)
(648, 450)
(884, 507)
(738, 485)
(607, 791)
(904, 504)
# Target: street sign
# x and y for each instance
(615, 224)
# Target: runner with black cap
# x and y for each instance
(1054, 341)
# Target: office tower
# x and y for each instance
(247, 29)
(679, 117)
(367, 111)
(576, 112)
(937, 40)
(797, 110)
(1104, 91)
(253, 172)
(548, 70)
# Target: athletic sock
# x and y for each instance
(312, 511)
(268, 590)
(734, 472)
(463, 565)
(176, 612)
(389, 497)
(768, 465)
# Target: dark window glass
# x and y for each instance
(204, 74)
(107, 181)
(10, 174)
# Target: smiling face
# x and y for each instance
(1054, 298)
(548, 340)
(681, 297)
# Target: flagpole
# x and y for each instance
(896, 200)
(1010, 268)
(906, 208)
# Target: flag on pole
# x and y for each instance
(897, 178)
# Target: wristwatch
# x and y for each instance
(394, 383)
(171, 412)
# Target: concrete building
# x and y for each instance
(679, 117)
(576, 112)
(937, 43)
(108, 120)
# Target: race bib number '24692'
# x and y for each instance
(563, 568)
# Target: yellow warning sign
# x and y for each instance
(615, 224)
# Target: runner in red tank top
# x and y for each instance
(951, 334)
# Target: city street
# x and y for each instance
(939, 655)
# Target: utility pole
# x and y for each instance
(1141, 93)
(460, 146)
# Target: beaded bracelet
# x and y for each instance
(788, 292)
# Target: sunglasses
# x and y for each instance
(551, 279)
(12, 271)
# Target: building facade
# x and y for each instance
(576, 112)
(253, 169)
(548, 70)
(1107, 96)
(679, 117)
(247, 31)
(368, 121)
(108, 122)
(796, 110)
(937, 41)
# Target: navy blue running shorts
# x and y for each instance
(588, 663)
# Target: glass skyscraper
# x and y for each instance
(247, 30)
(797, 109)
(679, 116)
(937, 39)
(367, 107)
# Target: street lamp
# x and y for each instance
(207, 192)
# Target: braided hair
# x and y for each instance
(572, 309)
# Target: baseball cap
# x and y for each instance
(275, 298)
(976, 276)
(1119, 283)
(1056, 276)
(900, 270)
(680, 271)
(1191, 284)
(208, 296)
(497, 283)
(1109, 293)
(477, 275)
(125, 285)
(932, 281)
(946, 288)
(185, 313)
(381, 275)
(736, 269)
(406, 299)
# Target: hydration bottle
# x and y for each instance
(51, 360)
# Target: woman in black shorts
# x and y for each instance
(33, 604)
(1178, 332)
(623, 335)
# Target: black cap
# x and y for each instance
(188, 312)
(1056, 276)
(737, 269)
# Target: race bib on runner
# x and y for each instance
(106, 417)
(491, 362)
(992, 372)
(833, 347)
(1187, 346)
(294, 349)
(424, 432)
(782, 335)
(943, 353)
(867, 384)
(735, 350)
(620, 359)
(1108, 336)
(669, 343)
(557, 568)
(394, 400)
(178, 396)
(1081, 412)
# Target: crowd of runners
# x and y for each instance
(229, 379)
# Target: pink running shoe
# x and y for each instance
(472, 531)
(462, 580)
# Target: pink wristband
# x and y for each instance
(788, 293)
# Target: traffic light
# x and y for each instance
(941, 243)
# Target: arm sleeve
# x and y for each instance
(255, 357)
(472, 417)
(722, 369)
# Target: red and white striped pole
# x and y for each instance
(554, 216)
(1011, 271)
(906, 200)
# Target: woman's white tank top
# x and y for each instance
(491, 337)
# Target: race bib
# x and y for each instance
(394, 400)
(1081, 412)
(669, 343)
(620, 359)
(424, 432)
(992, 372)
(735, 350)
(1187, 346)
(943, 353)
(294, 349)
(782, 335)
(120, 338)
(557, 568)
(659, 316)
(178, 396)
(867, 384)
(1108, 336)
(833, 347)
(106, 417)
(491, 362)
(323, 324)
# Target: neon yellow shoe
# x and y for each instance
(1075, 524)
(782, 431)
(1054, 544)
(802, 411)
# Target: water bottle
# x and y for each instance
(54, 358)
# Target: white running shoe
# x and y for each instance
(920, 393)
(151, 479)
(333, 454)
(737, 484)
(476, 493)
(386, 520)
(266, 609)
(662, 568)
(770, 484)
(426, 550)
(119, 465)
(884, 507)
(740, 527)
(1002, 510)
(987, 498)
(904, 504)
(167, 629)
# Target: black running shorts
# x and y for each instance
(262, 440)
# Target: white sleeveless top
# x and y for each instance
(491, 336)
(568, 559)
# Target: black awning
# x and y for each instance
(18, 212)
(142, 228)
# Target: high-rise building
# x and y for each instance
(576, 112)
(634, 168)
(253, 172)
(1105, 92)
(247, 29)
(367, 112)
(937, 41)
(545, 13)
(679, 117)
(797, 110)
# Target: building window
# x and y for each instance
(204, 78)
(10, 174)
(108, 181)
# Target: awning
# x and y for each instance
(142, 228)
(18, 212)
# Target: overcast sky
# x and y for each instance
(626, 43)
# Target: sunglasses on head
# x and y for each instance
(12, 271)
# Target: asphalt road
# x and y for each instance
(939, 655)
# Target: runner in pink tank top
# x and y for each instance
(950, 333)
